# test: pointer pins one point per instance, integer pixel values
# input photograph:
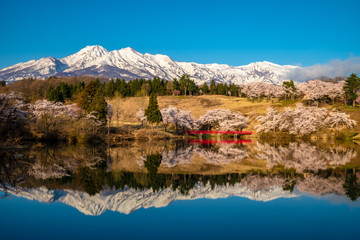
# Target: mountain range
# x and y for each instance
(129, 64)
(129, 200)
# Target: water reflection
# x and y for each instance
(141, 175)
(303, 156)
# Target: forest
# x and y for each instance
(60, 89)
(48, 106)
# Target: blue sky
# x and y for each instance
(232, 32)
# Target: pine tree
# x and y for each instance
(63, 89)
(110, 89)
(213, 88)
(152, 112)
(92, 100)
(290, 89)
(176, 85)
(155, 85)
(123, 88)
(233, 89)
(54, 94)
(50, 93)
(99, 105)
(351, 88)
(221, 90)
(184, 83)
(192, 87)
(205, 88)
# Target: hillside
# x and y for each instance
(125, 109)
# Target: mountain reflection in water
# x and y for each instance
(141, 175)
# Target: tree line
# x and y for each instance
(61, 89)
(182, 86)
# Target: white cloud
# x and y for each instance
(333, 68)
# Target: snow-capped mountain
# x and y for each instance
(130, 64)
(129, 200)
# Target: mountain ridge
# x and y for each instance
(128, 63)
(129, 200)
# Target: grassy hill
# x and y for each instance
(198, 105)
(125, 109)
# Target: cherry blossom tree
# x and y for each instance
(337, 119)
(141, 116)
(258, 183)
(316, 90)
(269, 122)
(185, 120)
(303, 157)
(302, 120)
(54, 109)
(170, 115)
(180, 118)
(260, 89)
(180, 156)
(317, 185)
(222, 119)
(223, 154)
(13, 109)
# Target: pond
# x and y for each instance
(191, 189)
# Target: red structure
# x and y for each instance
(219, 132)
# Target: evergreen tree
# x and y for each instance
(117, 85)
(290, 89)
(184, 83)
(110, 89)
(79, 87)
(92, 100)
(289, 84)
(221, 90)
(176, 85)
(155, 85)
(152, 164)
(226, 89)
(192, 87)
(205, 88)
(53, 94)
(63, 89)
(233, 89)
(352, 187)
(99, 105)
(351, 88)
(213, 88)
(152, 112)
(123, 88)
(162, 90)
(50, 93)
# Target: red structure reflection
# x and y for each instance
(230, 141)
(219, 132)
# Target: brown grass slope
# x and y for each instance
(125, 109)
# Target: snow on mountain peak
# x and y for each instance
(93, 48)
(85, 55)
(128, 50)
(129, 64)
(129, 200)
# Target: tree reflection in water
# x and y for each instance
(293, 167)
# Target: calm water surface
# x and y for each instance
(181, 190)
